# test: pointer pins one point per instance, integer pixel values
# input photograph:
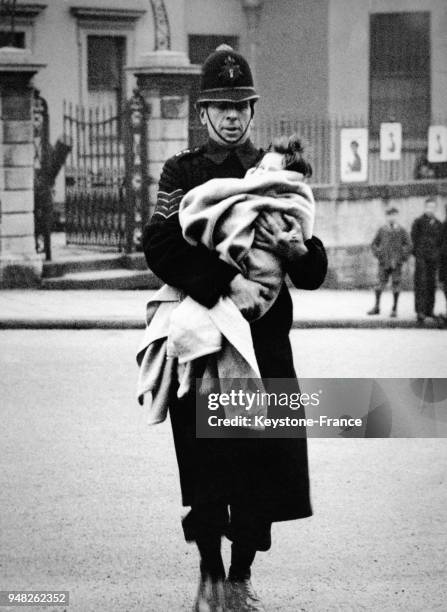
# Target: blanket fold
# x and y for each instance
(179, 331)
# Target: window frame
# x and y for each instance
(24, 20)
(101, 36)
(19, 30)
(408, 77)
(83, 64)
(104, 22)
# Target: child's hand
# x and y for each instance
(285, 242)
(305, 204)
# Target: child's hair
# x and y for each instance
(292, 149)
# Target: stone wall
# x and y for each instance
(348, 217)
(164, 79)
(19, 264)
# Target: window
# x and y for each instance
(17, 39)
(400, 71)
(106, 41)
(24, 17)
(106, 57)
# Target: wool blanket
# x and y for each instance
(221, 214)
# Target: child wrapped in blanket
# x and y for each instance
(236, 217)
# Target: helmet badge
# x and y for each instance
(231, 70)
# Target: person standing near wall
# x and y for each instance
(426, 236)
(443, 260)
(258, 480)
(392, 247)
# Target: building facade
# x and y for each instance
(372, 59)
(319, 66)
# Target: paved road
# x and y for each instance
(90, 501)
(370, 353)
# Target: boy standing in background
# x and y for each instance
(392, 247)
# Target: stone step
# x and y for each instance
(104, 279)
(90, 263)
(134, 261)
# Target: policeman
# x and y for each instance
(258, 480)
(443, 260)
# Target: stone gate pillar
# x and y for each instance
(164, 79)
(20, 266)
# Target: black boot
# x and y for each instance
(211, 592)
(395, 300)
(376, 309)
(240, 595)
(210, 595)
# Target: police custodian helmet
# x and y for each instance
(226, 77)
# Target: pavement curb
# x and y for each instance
(70, 324)
(52, 323)
(368, 324)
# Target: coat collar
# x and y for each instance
(247, 153)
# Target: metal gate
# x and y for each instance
(106, 180)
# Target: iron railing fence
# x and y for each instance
(106, 181)
(321, 137)
(94, 177)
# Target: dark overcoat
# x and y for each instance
(268, 474)
(426, 237)
(443, 256)
(391, 246)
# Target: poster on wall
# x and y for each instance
(353, 155)
(437, 143)
(390, 141)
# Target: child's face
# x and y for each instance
(271, 161)
(430, 208)
(392, 218)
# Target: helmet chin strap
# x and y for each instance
(232, 142)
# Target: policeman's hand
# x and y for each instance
(284, 240)
(247, 295)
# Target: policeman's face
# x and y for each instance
(230, 121)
